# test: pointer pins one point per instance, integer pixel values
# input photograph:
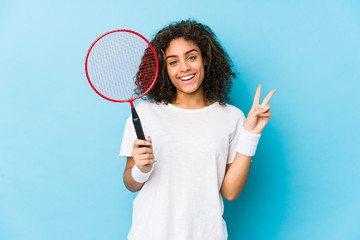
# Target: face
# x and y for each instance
(185, 66)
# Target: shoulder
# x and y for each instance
(231, 110)
(142, 103)
(149, 107)
(145, 104)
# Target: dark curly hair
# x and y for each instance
(218, 72)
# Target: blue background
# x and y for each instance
(60, 174)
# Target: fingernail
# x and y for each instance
(259, 85)
(148, 143)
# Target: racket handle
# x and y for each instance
(137, 124)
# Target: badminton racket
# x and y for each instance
(122, 66)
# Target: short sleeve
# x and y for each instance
(233, 143)
(128, 139)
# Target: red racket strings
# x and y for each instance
(121, 66)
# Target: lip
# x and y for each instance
(188, 80)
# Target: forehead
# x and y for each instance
(179, 46)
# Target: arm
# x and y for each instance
(235, 177)
(129, 182)
(238, 171)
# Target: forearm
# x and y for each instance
(238, 172)
(129, 182)
(236, 177)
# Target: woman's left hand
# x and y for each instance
(259, 115)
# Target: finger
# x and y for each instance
(145, 162)
(256, 98)
(267, 98)
(265, 115)
(149, 141)
(142, 150)
(147, 156)
(266, 108)
(261, 110)
(140, 142)
(142, 157)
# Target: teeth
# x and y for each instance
(187, 77)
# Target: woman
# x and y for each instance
(202, 146)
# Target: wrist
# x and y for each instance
(247, 142)
(140, 176)
(249, 130)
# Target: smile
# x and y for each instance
(187, 78)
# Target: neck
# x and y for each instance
(191, 100)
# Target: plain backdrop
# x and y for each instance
(60, 173)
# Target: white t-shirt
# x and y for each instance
(181, 200)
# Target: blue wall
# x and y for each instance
(60, 174)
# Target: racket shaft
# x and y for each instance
(137, 124)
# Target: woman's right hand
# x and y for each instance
(143, 156)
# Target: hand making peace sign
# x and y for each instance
(259, 115)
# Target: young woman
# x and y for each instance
(199, 147)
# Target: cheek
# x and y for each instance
(199, 65)
(171, 72)
(202, 71)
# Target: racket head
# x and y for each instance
(121, 65)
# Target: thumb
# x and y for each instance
(262, 110)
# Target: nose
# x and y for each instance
(184, 66)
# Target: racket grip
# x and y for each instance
(137, 124)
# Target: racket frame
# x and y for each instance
(131, 99)
(135, 118)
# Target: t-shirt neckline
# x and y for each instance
(193, 110)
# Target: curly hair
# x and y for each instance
(218, 72)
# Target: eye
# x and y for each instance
(172, 63)
(192, 58)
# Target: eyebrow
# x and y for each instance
(184, 54)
